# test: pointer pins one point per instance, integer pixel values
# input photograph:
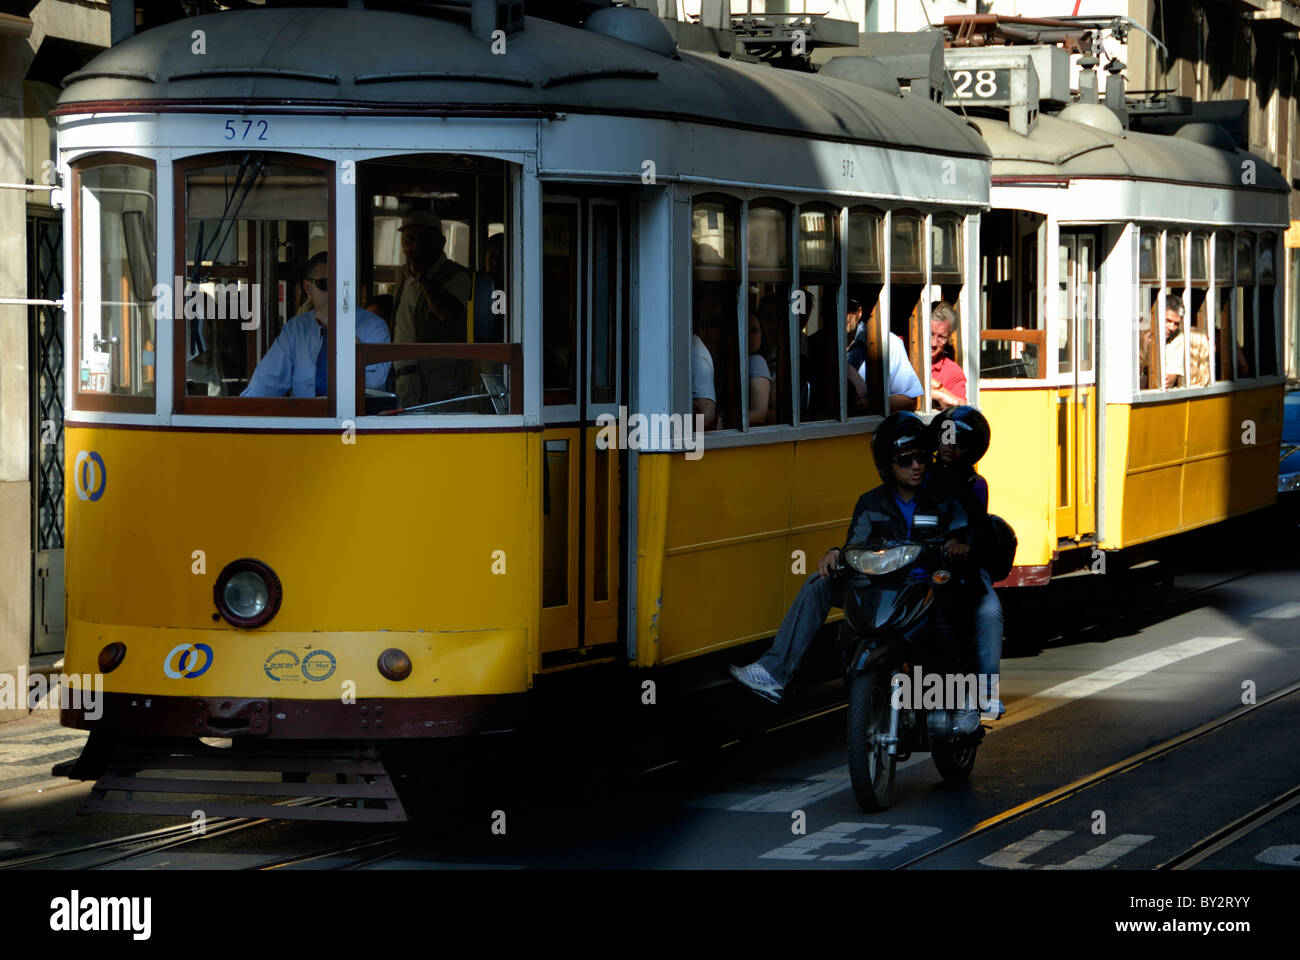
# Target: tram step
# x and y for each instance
(180, 784)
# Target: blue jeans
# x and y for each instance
(802, 621)
(988, 633)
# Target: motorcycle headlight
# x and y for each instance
(878, 562)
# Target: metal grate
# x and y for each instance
(45, 262)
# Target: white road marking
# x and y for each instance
(801, 848)
(1014, 855)
(1099, 680)
(1284, 611)
(1282, 856)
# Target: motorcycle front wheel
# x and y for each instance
(871, 766)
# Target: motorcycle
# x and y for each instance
(888, 616)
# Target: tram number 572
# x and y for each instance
(252, 129)
(977, 85)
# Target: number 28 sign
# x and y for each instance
(992, 87)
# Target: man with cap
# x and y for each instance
(429, 306)
(298, 361)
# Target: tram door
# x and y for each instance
(584, 333)
(1076, 401)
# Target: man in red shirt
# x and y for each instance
(947, 380)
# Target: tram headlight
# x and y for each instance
(879, 562)
(247, 593)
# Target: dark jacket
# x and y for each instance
(877, 515)
(970, 490)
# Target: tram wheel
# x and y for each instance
(871, 766)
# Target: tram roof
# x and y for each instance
(360, 59)
(1060, 147)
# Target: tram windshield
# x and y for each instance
(254, 299)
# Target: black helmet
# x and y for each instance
(900, 430)
(971, 431)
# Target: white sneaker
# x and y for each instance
(756, 677)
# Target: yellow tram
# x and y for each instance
(1130, 320)
(350, 565)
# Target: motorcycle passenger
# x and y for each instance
(961, 435)
(901, 447)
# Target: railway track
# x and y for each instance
(1200, 850)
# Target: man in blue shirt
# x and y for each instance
(901, 446)
(297, 363)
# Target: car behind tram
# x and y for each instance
(327, 572)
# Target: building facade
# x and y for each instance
(40, 43)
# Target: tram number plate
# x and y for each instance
(247, 130)
(982, 86)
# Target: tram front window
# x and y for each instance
(435, 232)
(114, 212)
(254, 232)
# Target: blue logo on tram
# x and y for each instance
(89, 476)
(189, 669)
(280, 663)
(318, 665)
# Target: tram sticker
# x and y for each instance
(280, 664)
(89, 476)
(178, 663)
(318, 665)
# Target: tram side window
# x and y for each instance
(1226, 354)
(115, 214)
(715, 380)
(863, 338)
(1198, 313)
(1267, 279)
(258, 276)
(907, 279)
(1012, 342)
(1149, 343)
(435, 234)
(1245, 293)
(944, 340)
(817, 312)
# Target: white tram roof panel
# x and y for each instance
(1068, 148)
(304, 59)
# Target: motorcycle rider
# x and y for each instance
(901, 448)
(961, 436)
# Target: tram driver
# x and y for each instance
(298, 361)
(430, 306)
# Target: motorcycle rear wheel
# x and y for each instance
(954, 760)
(871, 767)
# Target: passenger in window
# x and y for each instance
(429, 306)
(760, 375)
(298, 360)
(488, 325)
(705, 341)
(1198, 345)
(947, 380)
(904, 385)
(382, 306)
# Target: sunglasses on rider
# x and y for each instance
(905, 460)
(320, 283)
